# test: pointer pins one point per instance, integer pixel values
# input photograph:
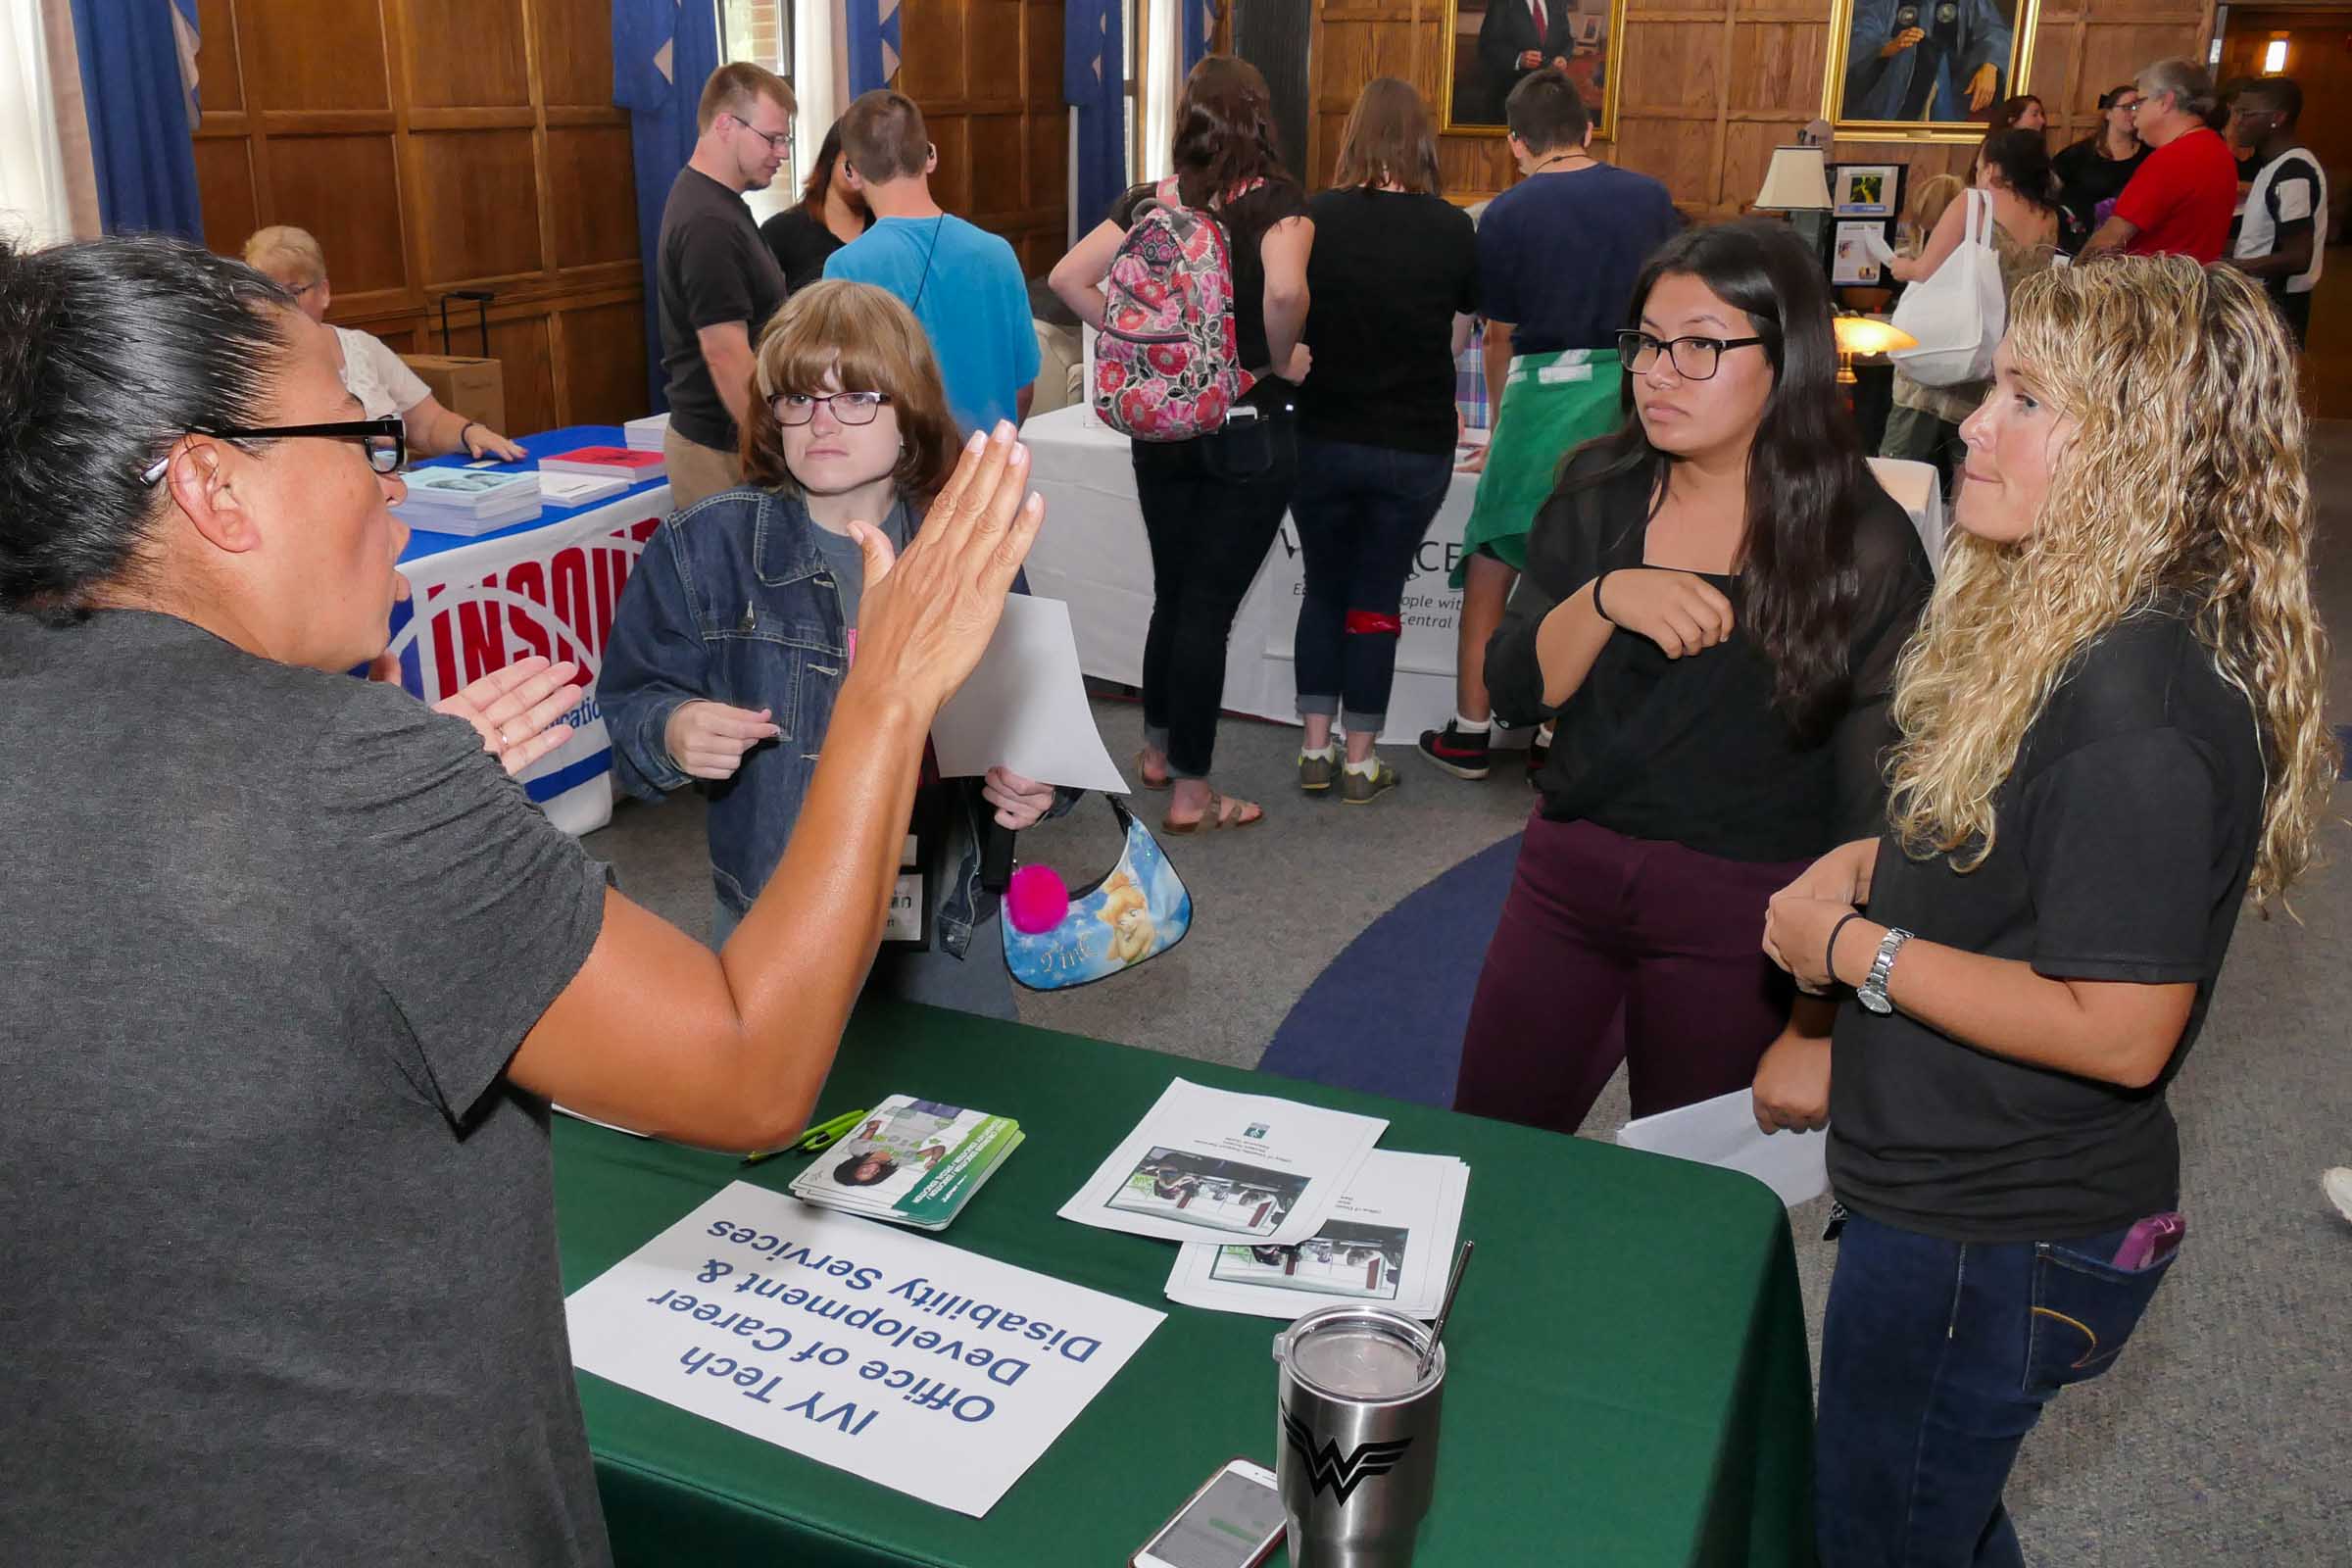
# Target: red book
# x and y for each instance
(611, 463)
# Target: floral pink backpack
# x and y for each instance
(1166, 363)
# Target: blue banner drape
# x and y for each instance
(138, 92)
(1200, 25)
(872, 43)
(1094, 83)
(662, 51)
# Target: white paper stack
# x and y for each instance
(1390, 1240)
(469, 500)
(1723, 1131)
(645, 435)
(578, 489)
(1208, 1165)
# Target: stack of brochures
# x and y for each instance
(469, 500)
(578, 489)
(911, 1162)
(645, 435)
(633, 465)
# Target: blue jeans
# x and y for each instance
(1936, 1359)
(1362, 512)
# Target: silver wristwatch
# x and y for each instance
(1871, 993)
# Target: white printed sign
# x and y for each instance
(928, 1369)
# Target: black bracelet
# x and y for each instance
(463, 428)
(1829, 954)
(1597, 608)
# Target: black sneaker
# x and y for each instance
(1462, 756)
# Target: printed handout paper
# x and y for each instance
(928, 1369)
(1723, 1131)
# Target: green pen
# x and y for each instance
(824, 1134)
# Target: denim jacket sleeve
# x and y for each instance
(655, 662)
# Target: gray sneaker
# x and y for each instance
(1316, 770)
(1355, 789)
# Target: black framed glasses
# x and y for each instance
(1695, 358)
(846, 407)
(778, 142)
(385, 441)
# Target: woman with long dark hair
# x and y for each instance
(830, 213)
(2093, 171)
(1715, 598)
(1211, 505)
(1394, 278)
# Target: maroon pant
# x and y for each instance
(1598, 926)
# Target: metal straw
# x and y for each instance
(1461, 1261)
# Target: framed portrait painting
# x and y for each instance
(1493, 45)
(1924, 70)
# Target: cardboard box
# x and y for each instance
(473, 388)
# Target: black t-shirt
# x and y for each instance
(715, 269)
(2087, 177)
(800, 243)
(1246, 220)
(2122, 845)
(1691, 749)
(1389, 272)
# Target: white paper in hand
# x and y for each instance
(1723, 1131)
(1024, 708)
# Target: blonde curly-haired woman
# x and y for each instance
(2112, 733)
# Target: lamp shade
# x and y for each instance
(1864, 335)
(1798, 182)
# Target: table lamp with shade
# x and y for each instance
(1865, 335)
(1797, 183)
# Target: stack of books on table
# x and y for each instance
(469, 500)
(645, 435)
(578, 489)
(630, 464)
(911, 1162)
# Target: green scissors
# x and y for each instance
(817, 1139)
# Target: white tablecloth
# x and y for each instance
(1093, 555)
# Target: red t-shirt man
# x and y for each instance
(2180, 199)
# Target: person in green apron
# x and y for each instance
(1557, 256)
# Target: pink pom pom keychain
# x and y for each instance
(1036, 900)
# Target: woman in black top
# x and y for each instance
(830, 214)
(2112, 726)
(1394, 280)
(2094, 170)
(1211, 505)
(1715, 598)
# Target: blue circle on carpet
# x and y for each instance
(1386, 1015)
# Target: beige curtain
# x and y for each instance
(80, 174)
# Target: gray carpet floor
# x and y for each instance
(2225, 1434)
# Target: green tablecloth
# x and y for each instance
(1627, 1385)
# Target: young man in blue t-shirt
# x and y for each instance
(964, 284)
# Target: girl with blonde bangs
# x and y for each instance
(736, 631)
(2112, 733)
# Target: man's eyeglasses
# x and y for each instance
(846, 407)
(1695, 358)
(778, 142)
(385, 441)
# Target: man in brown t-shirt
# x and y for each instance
(718, 282)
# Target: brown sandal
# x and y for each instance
(1144, 778)
(1215, 818)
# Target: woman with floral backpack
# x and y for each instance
(1203, 360)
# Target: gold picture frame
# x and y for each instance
(1580, 32)
(1879, 109)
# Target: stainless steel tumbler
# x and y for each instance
(1358, 1449)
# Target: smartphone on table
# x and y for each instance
(1233, 1520)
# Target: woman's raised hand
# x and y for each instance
(926, 616)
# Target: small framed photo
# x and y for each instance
(1866, 190)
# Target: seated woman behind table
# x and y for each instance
(738, 627)
(301, 959)
(384, 385)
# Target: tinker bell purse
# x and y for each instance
(1137, 913)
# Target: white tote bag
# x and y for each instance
(1957, 314)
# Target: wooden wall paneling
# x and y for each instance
(575, 52)
(467, 54)
(312, 54)
(221, 88)
(224, 188)
(595, 218)
(987, 74)
(1776, 68)
(523, 351)
(479, 216)
(995, 151)
(992, 50)
(931, 70)
(346, 192)
(603, 364)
